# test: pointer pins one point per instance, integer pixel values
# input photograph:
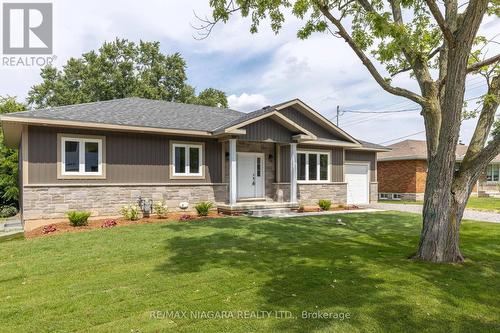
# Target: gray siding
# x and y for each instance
(337, 164)
(309, 124)
(267, 130)
(364, 156)
(130, 157)
(285, 164)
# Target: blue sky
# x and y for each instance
(254, 70)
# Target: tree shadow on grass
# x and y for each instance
(311, 264)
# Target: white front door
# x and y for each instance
(356, 177)
(250, 170)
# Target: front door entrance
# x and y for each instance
(250, 172)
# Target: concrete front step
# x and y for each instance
(269, 212)
(246, 207)
(10, 225)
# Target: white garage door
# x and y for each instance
(356, 176)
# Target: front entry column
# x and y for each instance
(232, 172)
(293, 173)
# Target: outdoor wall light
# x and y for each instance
(270, 157)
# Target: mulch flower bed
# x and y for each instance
(65, 227)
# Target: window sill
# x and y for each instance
(186, 177)
(81, 176)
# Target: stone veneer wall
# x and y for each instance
(281, 192)
(309, 194)
(46, 202)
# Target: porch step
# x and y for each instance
(8, 227)
(269, 212)
(255, 206)
(11, 225)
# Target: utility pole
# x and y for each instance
(338, 107)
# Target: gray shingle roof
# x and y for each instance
(139, 112)
(142, 112)
(246, 116)
(370, 145)
(417, 149)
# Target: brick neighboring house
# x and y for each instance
(402, 172)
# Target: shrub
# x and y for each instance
(8, 211)
(78, 219)
(325, 204)
(160, 208)
(185, 217)
(48, 229)
(130, 212)
(203, 208)
(109, 224)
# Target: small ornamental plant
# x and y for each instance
(78, 218)
(48, 229)
(109, 224)
(8, 211)
(325, 204)
(203, 208)
(130, 212)
(185, 217)
(160, 208)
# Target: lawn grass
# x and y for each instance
(111, 280)
(483, 203)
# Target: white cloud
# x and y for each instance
(247, 102)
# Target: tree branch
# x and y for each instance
(206, 25)
(470, 22)
(366, 61)
(478, 65)
(476, 154)
(474, 68)
(366, 5)
(448, 35)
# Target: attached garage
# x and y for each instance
(357, 179)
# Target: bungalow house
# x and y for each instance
(100, 156)
(402, 172)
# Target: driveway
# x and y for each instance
(469, 214)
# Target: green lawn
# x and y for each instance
(486, 204)
(111, 280)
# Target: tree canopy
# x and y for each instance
(9, 191)
(120, 69)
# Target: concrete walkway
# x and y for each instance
(10, 226)
(331, 212)
(469, 214)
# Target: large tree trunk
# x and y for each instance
(442, 213)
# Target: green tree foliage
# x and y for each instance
(120, 69)
(9, 190)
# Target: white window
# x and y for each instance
(81, 156)
(384, 196)
(187, 159)
(397, 196)
(313, 166)
(493, 173)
